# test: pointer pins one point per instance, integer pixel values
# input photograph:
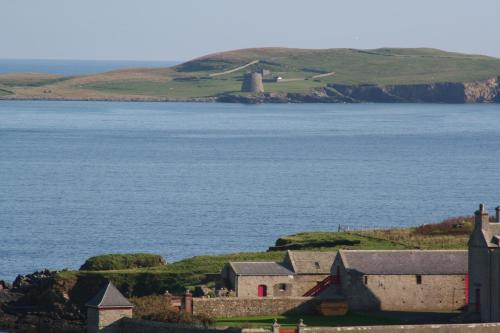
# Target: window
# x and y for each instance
(316, 264)
(365, 279)
(282, 287)
(419, 279)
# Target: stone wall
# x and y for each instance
(106, 320)
(241, 307)
(246, 286)
(403, 293)
(303, 282)
(453, 328)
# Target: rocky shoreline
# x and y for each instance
(39, 302)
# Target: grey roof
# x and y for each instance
(492, 230)
(404, 262)
(109, 297)
(312, 262)
(259, 268)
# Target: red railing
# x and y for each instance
(317, 289)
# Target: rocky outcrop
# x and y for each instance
(487, 91)
(39, 302)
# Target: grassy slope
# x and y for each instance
(191, 79)
(196, 271)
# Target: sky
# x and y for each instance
(185, 29)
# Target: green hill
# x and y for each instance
(302, 70)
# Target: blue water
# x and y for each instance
(83, 178)
(74, 67)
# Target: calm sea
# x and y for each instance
(74, 67)
(83, 178)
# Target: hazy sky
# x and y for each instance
(183, 29)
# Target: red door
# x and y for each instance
(262, 290)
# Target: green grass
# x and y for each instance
(316, 240)
(289, 321)
(122, 261)
(380, 66)
(386, 66)
(32, 82)
(169, 89)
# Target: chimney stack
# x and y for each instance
(497, 215)
(481, 217)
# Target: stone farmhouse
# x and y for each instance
(402, 280)
(484, 266)
(407, 280)
(299, 273)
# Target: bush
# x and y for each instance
(158, 308)
(122, 261)
(461, 225)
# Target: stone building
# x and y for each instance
(484, 266)
(252, 83)
(105, 310)
(406, 280)
(294, 277)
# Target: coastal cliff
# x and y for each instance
(486, 91)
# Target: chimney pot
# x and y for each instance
(497, 215)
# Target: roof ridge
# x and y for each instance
(292, 260)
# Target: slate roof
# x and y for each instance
(406, 262)
(259, 268)
(109, 297)
(311, 262)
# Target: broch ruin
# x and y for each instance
(252, 83)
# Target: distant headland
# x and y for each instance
(282, 75)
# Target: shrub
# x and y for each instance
(461, 225)
(158, 308)
(122, 261)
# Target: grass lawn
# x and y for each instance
(169, 89)
(352, 318)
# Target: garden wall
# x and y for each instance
(436, 328)
(223, 307)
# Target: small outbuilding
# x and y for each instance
(259, 279)
(300, 274)
(403, 280)
(105, 310)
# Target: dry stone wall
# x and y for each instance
(240, 307)
(448, 328)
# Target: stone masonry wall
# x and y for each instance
(108, 319)
(247, 285)
(241, 307)
(402, 293)
(448, 328)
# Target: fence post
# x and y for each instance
(187, 302)
(276, 326)
(301, 326)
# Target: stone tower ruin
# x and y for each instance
(252, 83)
